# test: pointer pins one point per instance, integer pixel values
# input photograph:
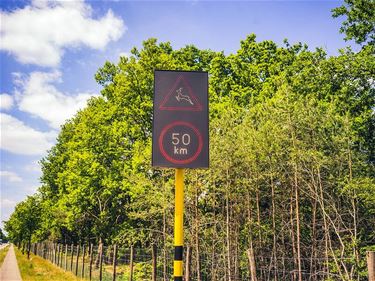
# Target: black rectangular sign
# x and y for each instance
(180, 123)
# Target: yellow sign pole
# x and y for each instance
(179, 226)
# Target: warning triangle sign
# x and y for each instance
(181, 97)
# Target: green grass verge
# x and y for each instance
(38, 269)
(3, 253)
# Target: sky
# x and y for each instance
(50, 51)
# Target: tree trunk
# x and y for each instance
(97, 256)
(252, 265)
(187, 263)
(294, 276)
(197, 251)
(298, 227)
(313, 237)
(83, 260)
(77, 260)
(28, 248)
(274, 229)
(229, 265)
(164, 246)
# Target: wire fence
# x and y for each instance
(105, 263)
(111, 263)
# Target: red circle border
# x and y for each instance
(182, 123)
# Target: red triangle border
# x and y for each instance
(197, 107)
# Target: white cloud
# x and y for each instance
(39, 33)
(37, 95)
(10, 176)
(6, 203)
(16, 137)
(6, 101)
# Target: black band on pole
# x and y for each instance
(178, 278)
(178, 253)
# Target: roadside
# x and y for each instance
(38, 269)
(3, 252)
(9, 270)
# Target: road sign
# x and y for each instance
(180, 124)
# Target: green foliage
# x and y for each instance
(3, 238)
(291, 153)
(25, 220)
(360, 20)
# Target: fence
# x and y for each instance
(108, 263)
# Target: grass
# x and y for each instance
(38, 269)
(3, 253)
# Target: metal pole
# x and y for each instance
(179, 226)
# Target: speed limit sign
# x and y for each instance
(180, 122)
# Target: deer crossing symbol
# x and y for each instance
(180, 96)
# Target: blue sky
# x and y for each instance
(50, 51)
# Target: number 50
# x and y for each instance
(185, 139)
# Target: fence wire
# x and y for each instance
(110, 263)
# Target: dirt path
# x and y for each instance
(9, 270)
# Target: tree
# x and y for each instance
(290, 189)
(360, 22)
(3, 238)
(24, 222)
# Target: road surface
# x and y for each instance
(9, 271)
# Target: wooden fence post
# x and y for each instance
(54, 252)
(72, 256)
(114, 262)
(91, 255)
(100, 261)
(61, 255)
(66, 257)
(77, 260)
(83, 261)
(58, 254)
(371, 265)
(131, 262)
(154, 261)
